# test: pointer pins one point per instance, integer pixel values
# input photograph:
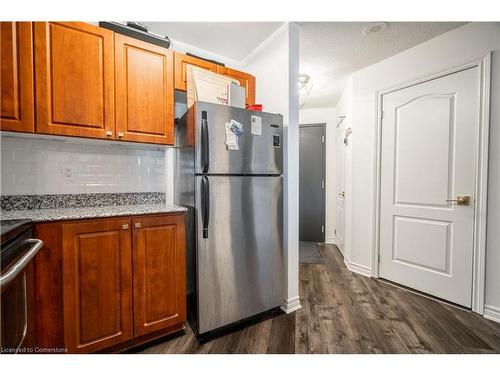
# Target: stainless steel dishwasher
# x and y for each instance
(18, 249)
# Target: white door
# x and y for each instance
(340, 196)
(429, 147)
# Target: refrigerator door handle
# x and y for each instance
(205, 162)
(205, 205)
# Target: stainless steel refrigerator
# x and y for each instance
(235, 213)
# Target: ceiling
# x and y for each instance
(234, 40)
(331, 51)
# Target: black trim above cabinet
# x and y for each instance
(120, 28)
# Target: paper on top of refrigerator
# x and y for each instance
(206, 86)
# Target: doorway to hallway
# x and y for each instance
(312, 182)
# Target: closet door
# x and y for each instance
(16, 61)
(74, 66)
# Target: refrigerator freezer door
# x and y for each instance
(240, 255)
(257, 154)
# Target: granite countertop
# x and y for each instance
(74, 213)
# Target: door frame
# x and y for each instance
(323, 127)
(481, 177)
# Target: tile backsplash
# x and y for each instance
(48, 166)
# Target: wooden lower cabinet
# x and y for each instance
(97, 284)
(123, 282)
(158, 261)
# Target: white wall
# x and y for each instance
(465, 44)
(329, 117)
(47, 166)
(344, 108)
(275, 64)
(492, 300)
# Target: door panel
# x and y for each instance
(74, 79)
(144, 91)
(181, 62)
(311, 184)
(97, 278)
(16, 83)
(240, 263)
(424, 130)
(246, 80)
(159, 273)
(257, 154)
(429, 134)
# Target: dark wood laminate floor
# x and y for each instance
(343, 312)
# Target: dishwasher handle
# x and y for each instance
(22, 262)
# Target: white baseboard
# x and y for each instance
(357, 268)
(331, 240)
(291, 304)
(492, 313)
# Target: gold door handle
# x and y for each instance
(462, 200)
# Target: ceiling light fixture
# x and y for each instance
(305, 85)
(375, 27)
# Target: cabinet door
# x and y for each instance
(74, 73)
(97, 284)
(17, 92)
(182, 61)
(144, 91)
(159, 272)
(246, 80)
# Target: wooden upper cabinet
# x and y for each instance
(97, 288)
(144, 91)
(16, 81)
(182, 61)
(159, 272)
(74, 72)
(246, 80)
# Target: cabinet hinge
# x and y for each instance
(323, 184)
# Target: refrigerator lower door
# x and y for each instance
(239, 248)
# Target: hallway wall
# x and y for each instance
(457, 47)
(275, 65)
(327, 116)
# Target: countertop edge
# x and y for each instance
(81, 213)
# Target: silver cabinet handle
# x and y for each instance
(138, 225)
(13, 271)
